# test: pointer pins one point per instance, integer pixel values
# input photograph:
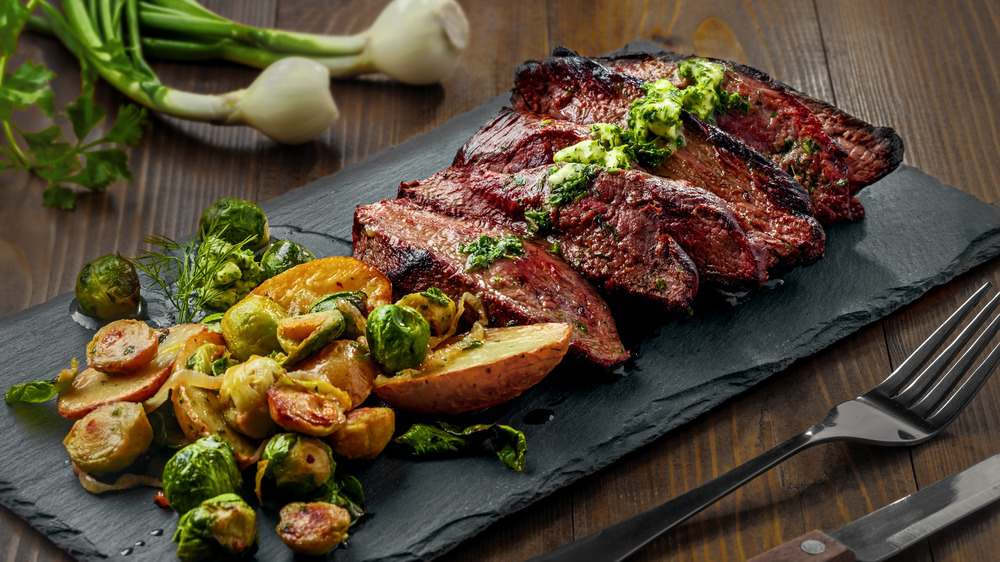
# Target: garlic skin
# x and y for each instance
(417, 41)
(290, 101)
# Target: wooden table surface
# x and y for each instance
(930, 69)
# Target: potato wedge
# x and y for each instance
(508, 362)
(92, 388)
(296, 289)
(199, 413)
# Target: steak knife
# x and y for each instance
(897, 526)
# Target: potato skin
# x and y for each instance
(344, 364)
(366, 433)
(122, 347)
(109, 438)
(296, 289)
(313, 528)
(485, 376)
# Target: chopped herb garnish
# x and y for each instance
(570, 182)
(539, 222)
(486, 249)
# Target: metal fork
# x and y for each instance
(892, 413)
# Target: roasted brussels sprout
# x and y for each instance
(434, 306)
(366, 433)
(298, 464)
(301, 336)
(352, 304)
(312, 407)
(122, 346)
(109, 438)
(200, 471)
(220, 527)
(236, 272)
(313, 528)
(250, 327)
(397, 337)
(284, 255)
(237, 222)
(244, 395)
(108, 287)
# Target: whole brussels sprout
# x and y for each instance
(397, 337)
(250, 327)
(284, 255)
(220, 527)
(236, 221)
(108, 288)
(434, 306)
(244, 395)
(236, 272)
(200, 471)
(298, 464)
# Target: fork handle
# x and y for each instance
(619, 541)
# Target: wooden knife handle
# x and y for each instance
(821, 548)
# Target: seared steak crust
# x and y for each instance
(773, 208)
(419, 248)
(631, 233)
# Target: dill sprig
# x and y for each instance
(183, 278)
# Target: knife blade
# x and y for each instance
(897, 526)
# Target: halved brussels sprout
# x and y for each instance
(301, 336)
(108, 287)
(244, 395)
(236, 221)
(200, 471)
(352, 304)
(297, 464)
(397, 337)
(123, 346)
(313, 528)
(284, 255)
(220, 527)
(366, 433)
(434, 306)
(109, 438)
(312, 407)
(251, 327)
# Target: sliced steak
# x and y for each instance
(418, 248)
(631, 234)
(812, 140)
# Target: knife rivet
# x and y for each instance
(812, 547)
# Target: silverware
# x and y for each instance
(893, 413)
(894, 528)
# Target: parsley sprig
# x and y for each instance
(93, 164)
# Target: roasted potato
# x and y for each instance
(109, 438)
(366, 433)
(296, 289)
(462, 376)
(92, 388)
(344, 364)
(122, 346)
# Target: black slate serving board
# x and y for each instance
(918, 233)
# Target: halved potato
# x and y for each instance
(93, 388)
(296, 289)
(199, 413)
(504, 364)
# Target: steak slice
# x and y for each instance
(772, 209)
(630, 234)
(418, 248)
(866, 152)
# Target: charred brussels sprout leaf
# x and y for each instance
(200, 471)
(237, 222)
(397, 337)
(220, 527)
(298, 464)
(448, 440)
(108, 287)
(346, 492)
(41, 391)
(284, 255)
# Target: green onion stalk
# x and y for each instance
(290, 101)
(413, 41)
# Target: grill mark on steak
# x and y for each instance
(866, 152)
(417, 248)
(621, 235)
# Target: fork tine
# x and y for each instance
(927, 376)
(967, 391)
(908, 367)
